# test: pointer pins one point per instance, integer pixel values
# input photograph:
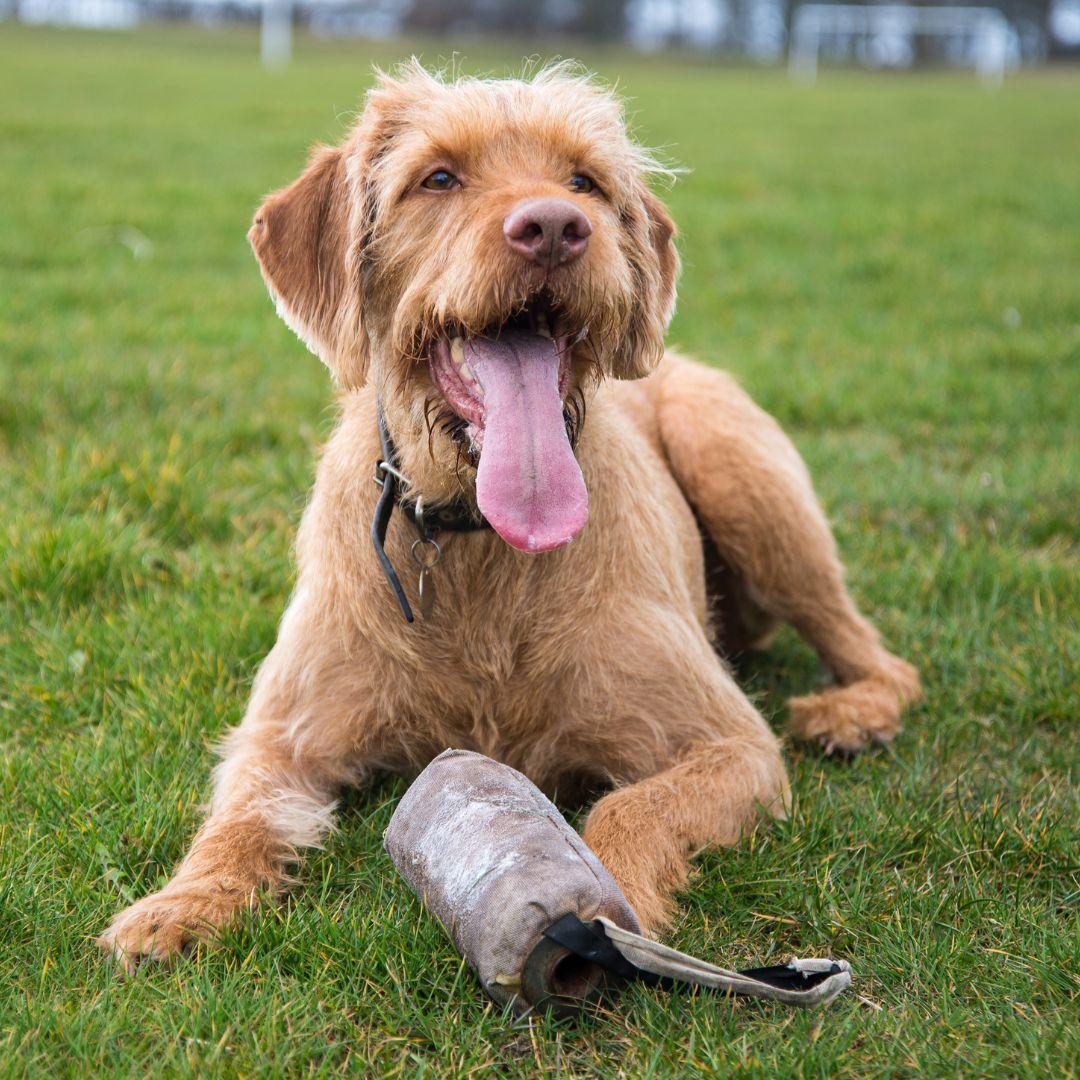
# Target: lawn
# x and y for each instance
(891, 265)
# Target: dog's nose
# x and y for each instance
(550, 232)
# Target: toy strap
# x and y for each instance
(802, 983)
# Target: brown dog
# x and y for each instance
(484, 260)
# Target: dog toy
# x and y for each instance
(532, 909)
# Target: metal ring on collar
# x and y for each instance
(426, 542)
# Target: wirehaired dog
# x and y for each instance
(484, 269)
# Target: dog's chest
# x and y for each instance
(516, 640)
(517, 660)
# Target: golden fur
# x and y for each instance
(594, 666)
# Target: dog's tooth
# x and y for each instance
(457, 354)
(542, 325)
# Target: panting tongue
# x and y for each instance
(528, 484)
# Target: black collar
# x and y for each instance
(427, 520)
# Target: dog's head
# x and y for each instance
(484, 247)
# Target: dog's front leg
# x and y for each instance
(712, 791)
(274, 794)
(264, 809)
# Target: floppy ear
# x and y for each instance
(656, 268)
(662, 235)
(301, 238)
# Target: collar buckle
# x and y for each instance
(385, 468)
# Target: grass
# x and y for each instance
(891, 265)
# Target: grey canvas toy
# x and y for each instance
(532, 909)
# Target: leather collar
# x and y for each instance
(428, 521)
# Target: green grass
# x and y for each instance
(891, 265)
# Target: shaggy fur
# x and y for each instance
(592, 667)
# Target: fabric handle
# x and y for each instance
(802, 983)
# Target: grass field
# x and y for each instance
(892, 265)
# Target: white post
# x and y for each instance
(276, 36)
(993, 45)
(803, 46)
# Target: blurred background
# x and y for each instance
(992, 35)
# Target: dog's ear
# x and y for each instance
(301, 238)
(657, 268)
(662, 235)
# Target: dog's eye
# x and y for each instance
(440, 180)
(581, 184)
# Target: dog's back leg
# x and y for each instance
(753, 495)
(740, 624)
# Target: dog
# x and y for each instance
(485, 270)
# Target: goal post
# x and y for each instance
(812, 23)
(276, 32)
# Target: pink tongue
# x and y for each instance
(528, 485)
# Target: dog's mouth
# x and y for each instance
(509, 384)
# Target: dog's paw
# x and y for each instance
(846, 720)
(163, 926)
(842, 722)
